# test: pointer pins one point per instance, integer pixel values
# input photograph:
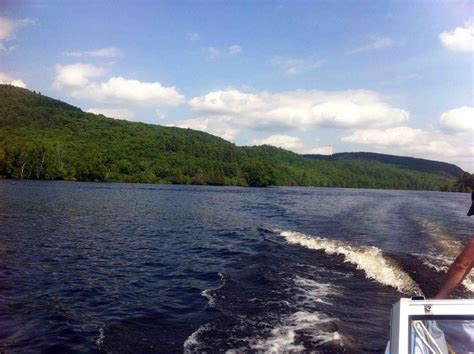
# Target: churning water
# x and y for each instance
(90, 267)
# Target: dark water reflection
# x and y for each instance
(122, 268)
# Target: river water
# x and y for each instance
(95, 267)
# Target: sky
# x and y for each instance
(321, 77)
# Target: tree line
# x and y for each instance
(464, 183)
(43, 138)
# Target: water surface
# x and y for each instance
(89, 267)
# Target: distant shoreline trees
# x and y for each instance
(43, 138)
(464, 184)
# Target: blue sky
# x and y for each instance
(310, 76)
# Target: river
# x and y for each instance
(96, 267)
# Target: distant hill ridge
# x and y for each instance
(44, 138)
(412, 163)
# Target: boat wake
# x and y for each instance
(283, 305)
(368, 259)
(441, 264)
(294, 322)
(193, 340)
(283, 337)
(317, 328)
(100, 340)
(208, 292)
(445, 248)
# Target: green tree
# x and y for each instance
(258, 174)
(43, 138)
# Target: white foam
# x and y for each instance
(100, 340)
(312, 324)
(207, 292)
(448, 245)
(445, 241)
(193, 339)
(437, 262)
(441, 264)
(469, 282)
(282, 337)
(368, 259)
(312, 291)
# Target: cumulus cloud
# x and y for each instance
(323, 150)
(460, 39)
(294, 66)
(75, 75)
(459, 119)
(413, 141)
(121, 90)
(375, 44)
(118, 113)
(193, 36)
(395, 136)
(75, 79)
(283, 141)
(220, 126)
(234, 49)
(8, 28)
(108, 52)
(292, 143)
(232, 110)
(8, 80)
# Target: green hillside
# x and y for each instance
(410, 163)
(43, 138)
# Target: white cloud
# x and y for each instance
(459, 119)
(292, 143)
(234, 49)
(293, 66)
(75, 75)
(460, 39)
(283, 141)
(395, 136)
(8, 80)
(193, 36)
(120, 90)
(323, 150)
(231, 110)
(219, 126)
(74, 79)
(413, 141)
(375, 44)
(9, 27)
(108, 52)
(118, 113)
(436, 145)
(213, 53)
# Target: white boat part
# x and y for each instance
(418, 326)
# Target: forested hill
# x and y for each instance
(43, 138)
(411, 163)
